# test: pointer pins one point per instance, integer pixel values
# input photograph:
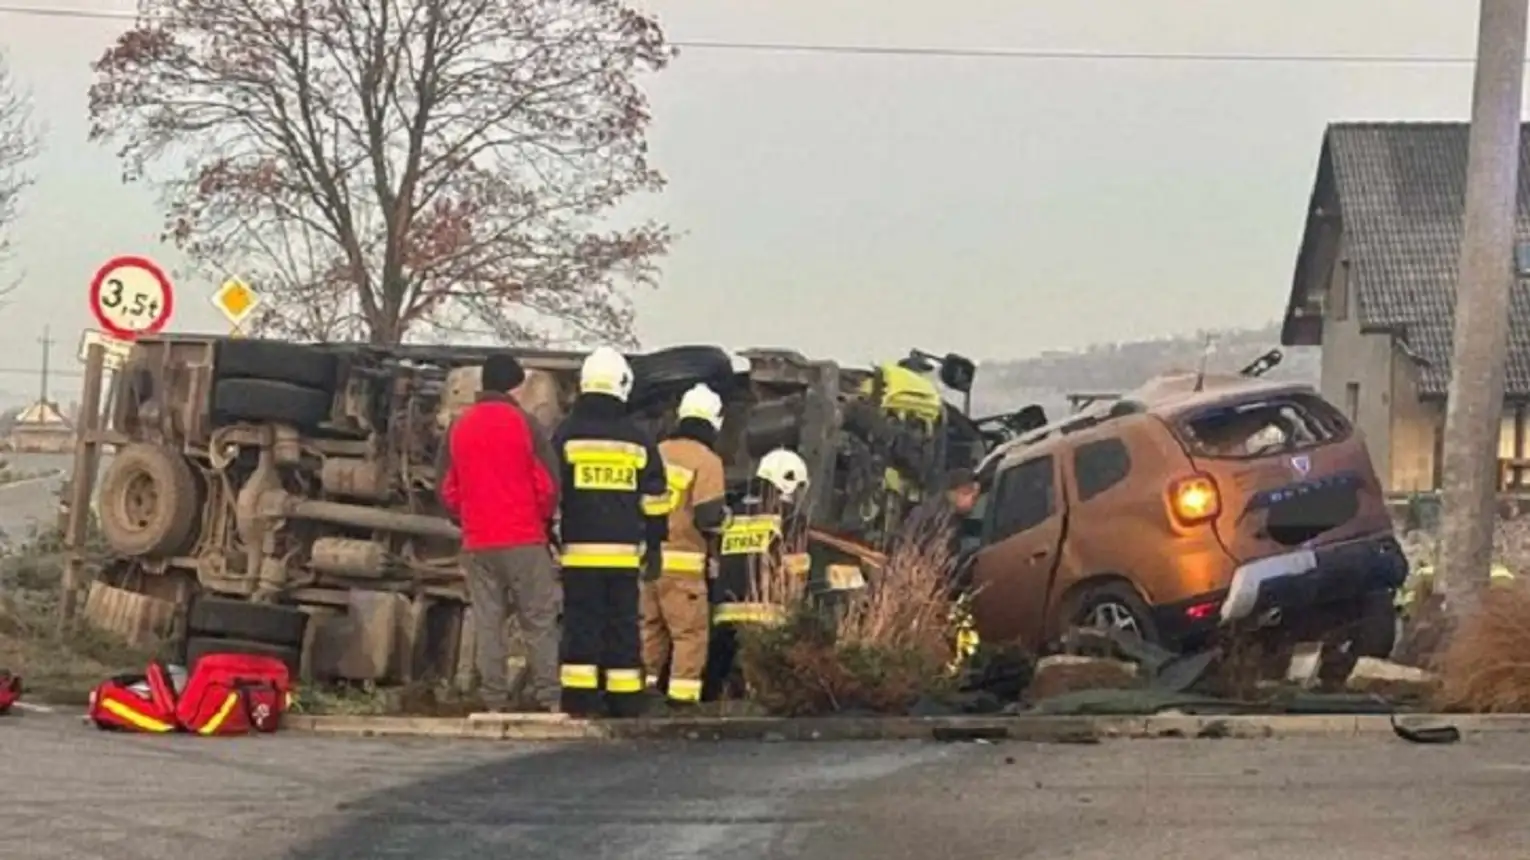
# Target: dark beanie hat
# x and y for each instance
(501, 372)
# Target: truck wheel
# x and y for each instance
(277, 361)
(198, 647)
(678, 368)
(268, 400)
(149, 502)
(238, 619)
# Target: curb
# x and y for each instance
(1037, 729)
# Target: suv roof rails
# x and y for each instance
(1074, 424)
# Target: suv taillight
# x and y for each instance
(1195, 499)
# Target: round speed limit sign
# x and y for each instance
(131, 297)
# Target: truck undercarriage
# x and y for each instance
(282, 497)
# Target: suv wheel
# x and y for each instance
(1112, 605)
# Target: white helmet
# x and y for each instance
(703, 403)
(784, 470)
(605, 372)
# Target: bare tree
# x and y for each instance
(383, 167)
(18, 144)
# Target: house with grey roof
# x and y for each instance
(1374, 286)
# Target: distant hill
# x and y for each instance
(1113, 368)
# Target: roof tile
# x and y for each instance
(1400, 188)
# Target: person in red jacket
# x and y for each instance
(500, 480)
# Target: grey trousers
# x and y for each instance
(525, 578)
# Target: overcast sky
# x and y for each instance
(854, 206)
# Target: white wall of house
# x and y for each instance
(1356, 371)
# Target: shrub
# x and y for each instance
(1485, 667)
(882, 649)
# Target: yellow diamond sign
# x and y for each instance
(235, 300)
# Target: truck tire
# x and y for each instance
(149, 502)
(277, 361)
(269, 400)
(238, 619)
(774, 424)
(675, 369)
(198, 647)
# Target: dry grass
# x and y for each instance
(58, 668)
(885, 648)
(776, 585)
(910, 606)
(1485, 667)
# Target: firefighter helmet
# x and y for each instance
(605, 372)
(784, 470)
(703, 403)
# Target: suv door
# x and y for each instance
(1022, 536)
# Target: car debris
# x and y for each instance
(281, 497)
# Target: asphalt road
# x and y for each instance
(31, 503)
(69, 793)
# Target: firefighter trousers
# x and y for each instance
(601, 656)
(720, 680)
(675, 622)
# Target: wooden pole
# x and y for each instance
(82, 485)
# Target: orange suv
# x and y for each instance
(1192, 502)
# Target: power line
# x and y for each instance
(1023, 54)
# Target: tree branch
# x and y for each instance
(376, 167)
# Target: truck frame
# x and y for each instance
(277, 497)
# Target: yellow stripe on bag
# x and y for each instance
(219, 718)
(137, 720)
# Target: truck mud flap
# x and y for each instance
(268, 400)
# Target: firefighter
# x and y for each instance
(676, 611)
(612, 474)
(763, 536)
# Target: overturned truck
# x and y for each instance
(280, 498)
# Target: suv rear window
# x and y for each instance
(1261, 427)
(1100, 465)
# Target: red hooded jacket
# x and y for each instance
(495, 478)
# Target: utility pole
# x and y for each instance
(47, 345)
(1484, 279)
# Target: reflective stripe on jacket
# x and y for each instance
(609, 469)
(693, 476)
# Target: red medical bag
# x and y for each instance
(10, 690)
(136, 703)
(225, 694)
(234, 694)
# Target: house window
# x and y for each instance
(1352, 402)
(1340, 302)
